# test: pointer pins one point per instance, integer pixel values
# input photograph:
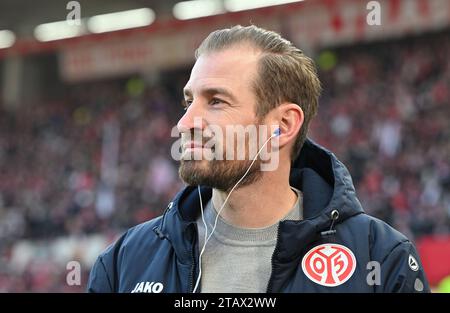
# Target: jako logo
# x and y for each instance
(149, 287)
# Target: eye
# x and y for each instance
(186, 104)
(215, 101)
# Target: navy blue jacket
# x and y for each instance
(161, 255)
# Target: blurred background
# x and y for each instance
(90, 90)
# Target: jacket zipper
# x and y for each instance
(192, 273)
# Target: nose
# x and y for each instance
(192, 119)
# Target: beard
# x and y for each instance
(220, 173)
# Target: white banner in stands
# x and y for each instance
(130, 55)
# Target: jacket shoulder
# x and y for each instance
(104, 274)
(142, 233)
(400, 268)
(381, 237)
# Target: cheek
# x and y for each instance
(224, 124)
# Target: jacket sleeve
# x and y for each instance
(402, 271)
(99, 279)
(103, 277)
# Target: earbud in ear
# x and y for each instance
(277, 132)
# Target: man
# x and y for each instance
(236, 228)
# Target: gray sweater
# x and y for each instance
(239, 259)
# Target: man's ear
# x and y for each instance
(291, 118)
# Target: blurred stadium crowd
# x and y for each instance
(384, 112)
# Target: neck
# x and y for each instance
(260, 204)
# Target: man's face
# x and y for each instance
(218, 94)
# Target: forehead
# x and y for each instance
(234, 68)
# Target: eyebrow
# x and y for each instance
(211, 92)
